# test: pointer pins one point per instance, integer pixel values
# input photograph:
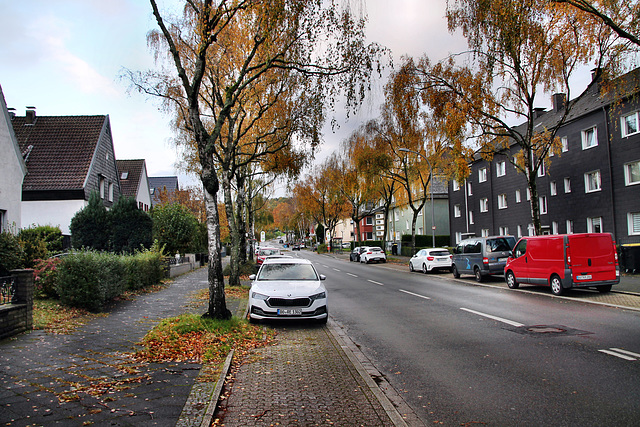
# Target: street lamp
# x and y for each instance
(433, 224)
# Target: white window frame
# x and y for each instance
(585, 137)
(542, 204)
(502, 201)
(484, 232)
(593, 223)
(531, 230)
(518, 196)
(565, 144)
(111, 191)
(528, 194)
(542, 170)
(482, 174)
(553, 187)
(624, 128)
(569, 226)
(484, 205)
(567, 185)
(554, 227)
(456, 185)
(456, 211)
(519, 231)
(597, 182)
(628, 175)
(471, 217)
(469, 190)
(504, 231)
(633, 223)
(501, 168)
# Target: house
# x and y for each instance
(160, 184)
(67, 157)
(12, 172)
(134, 181)
(592, 185)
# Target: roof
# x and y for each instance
(130, 174)
(58, 150)
(160, 182)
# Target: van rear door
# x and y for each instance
(592, 258)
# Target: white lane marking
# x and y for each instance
(377, 283)
(630, 353)
(325, 266)
(499, 319)
(621, 356)
(352, 275)
(415, 295)
(335, 269)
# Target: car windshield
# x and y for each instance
(498, 245)
(374, 249)
(439, 253)
(268, 252)
(287, 272)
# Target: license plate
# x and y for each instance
(502, 259)
(289, 312)
(583, 277)
(442, 259)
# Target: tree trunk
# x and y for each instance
(234, 262)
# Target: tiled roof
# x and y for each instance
(160, 182)
(133, 170)
(58, 150)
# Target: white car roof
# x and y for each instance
(290, 260)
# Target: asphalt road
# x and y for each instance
(460, 354)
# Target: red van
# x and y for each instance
(564, 261)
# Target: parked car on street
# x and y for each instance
(482, 256)
(371, 254)
(295, 247)
(430, 259)
(288, 288)
(564, 261)
(354, 256)
(263, 253)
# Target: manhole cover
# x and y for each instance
(545, 329)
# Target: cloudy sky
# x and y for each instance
(64, 57)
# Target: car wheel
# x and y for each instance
(604, 288)
(411, 269)
(424, 268)
(455, 271)
(556, 285)
(511, 280)
(476, 272)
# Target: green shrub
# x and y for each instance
(11, 253)
(90, 225)
(322, 249)
(90, 279)
(143, 269)
(131, 227)
(45, 274)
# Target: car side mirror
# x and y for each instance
(323, 277)
(252, 277)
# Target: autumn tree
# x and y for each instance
(519, 50)
(219, 52)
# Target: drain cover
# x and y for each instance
(541, 329)
(548, 330)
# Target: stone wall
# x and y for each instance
(17, 317)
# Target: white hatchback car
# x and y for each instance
(372, 253)
(288, 288)
(431, 259)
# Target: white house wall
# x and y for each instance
(51, 212)
(144, 195)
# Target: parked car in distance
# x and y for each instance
(482, 256)
(346, 245)
(564, 261)
(263, 253)
(295, 247)
(288, 288)
(430, 259)
(354, 256)
(371, 254)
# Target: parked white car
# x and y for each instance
(371, 254)
(427, 260)
(288, 288)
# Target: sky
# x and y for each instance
(65, 57)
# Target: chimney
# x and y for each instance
(30, 115)
(12, 112)
(596, 73)
(538, 111)
(559, 101)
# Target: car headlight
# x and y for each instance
(256, 295)
(321, 295)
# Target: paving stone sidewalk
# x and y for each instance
(89, 377)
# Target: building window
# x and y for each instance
(528, 193)
(592, 181)
(632, 173)
(567, 185)
(633, 219)
(569, 226)
(471, 217)
(565, 144)
(3, 215)
(518, 197)
(553, 188)
(519, 230)
(456, 185)
(458, 237)
(502, 201)
(469, 192)
(501, 168)
(629, 124)
(395, 215)
(482, 174)
(369, 220)
(484, 205)
(111, 191)
(101, 183)
(419, 230)
(541, 170)
(484, 232)
(589, 138)
(594, 225)
(504, 231)
(531, 230)
(124, 175)
(554, 227)
(542, 200)
(456, 211)
(369, 235)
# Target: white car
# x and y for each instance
(288, 288)
(431, 259)
(372, 253)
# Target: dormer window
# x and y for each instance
(124, 175)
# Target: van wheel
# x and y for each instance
(455, 272)
(603, 288)
(476, 272)
(511, 280)
(424, 268)
(556, 285)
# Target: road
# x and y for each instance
(460, 354)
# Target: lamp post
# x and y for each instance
(433, 224)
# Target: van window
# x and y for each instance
(473, 247)
(458, 249)
(498, 245)
(520, 249)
